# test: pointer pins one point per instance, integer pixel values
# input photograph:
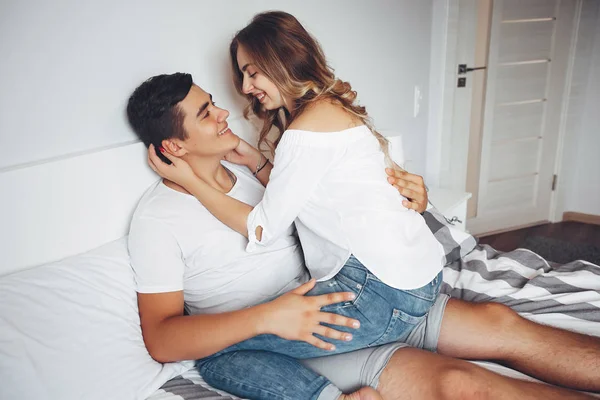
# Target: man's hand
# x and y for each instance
(245, 154)
(410, 186)
(294, 316)
(178, 171)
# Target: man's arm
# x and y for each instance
(171, 336)
(410, 186)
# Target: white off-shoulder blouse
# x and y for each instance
(334, 187)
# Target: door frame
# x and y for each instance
(448, 152)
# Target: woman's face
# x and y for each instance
(255, 83)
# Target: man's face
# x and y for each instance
(205, 125)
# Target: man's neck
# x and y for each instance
(210, 170)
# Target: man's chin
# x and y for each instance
(234, 141)
(231, 135)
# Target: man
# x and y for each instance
(185, 258)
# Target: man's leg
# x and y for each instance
(413, 374)
(491, 331)
(401, 372)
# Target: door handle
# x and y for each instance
(463, 69)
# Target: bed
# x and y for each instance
(69, 326)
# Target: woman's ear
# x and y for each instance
(173, 147)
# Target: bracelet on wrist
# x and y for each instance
(260, 166)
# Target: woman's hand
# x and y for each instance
(294, 316)
(179, 171)
(245, 154)
(410, 186)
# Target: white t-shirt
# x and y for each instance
(176, 244)
(334, 186)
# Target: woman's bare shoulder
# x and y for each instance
(325, 116)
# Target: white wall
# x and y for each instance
(579, 174)
(69, 66)
(437, 89)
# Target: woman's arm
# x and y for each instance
(264, 168)
(298, 171)
(228, 210)
(253, 159)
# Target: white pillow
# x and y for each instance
(71, 330)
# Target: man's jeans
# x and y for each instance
(265, 366)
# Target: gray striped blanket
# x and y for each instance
(565, 296)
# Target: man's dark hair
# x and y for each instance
(153, 112)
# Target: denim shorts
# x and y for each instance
(266, 366)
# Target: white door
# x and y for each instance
(529, 44)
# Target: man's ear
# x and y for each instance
(173, 147)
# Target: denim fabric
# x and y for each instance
(261, 375)
(386, 315)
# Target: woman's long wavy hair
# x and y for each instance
(293, 60)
